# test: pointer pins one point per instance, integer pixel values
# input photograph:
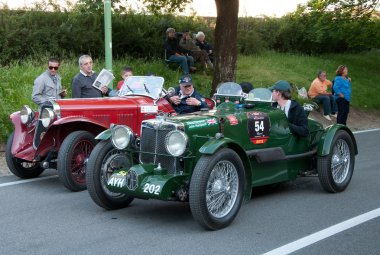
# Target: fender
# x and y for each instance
(325, 143)
(213, 145)
(105, 135)
(72, 119)
(22, 138)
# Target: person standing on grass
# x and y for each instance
(81, 84)
(342, 94)
(318, 92)
(295, 113)
(48, 86)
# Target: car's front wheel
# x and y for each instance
(216, 189)
(18, 167)
(72, 159)
(335, 169)
(103, 162)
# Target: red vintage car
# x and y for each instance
(61, 134)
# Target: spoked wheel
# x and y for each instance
(72, 159)
(103, 162)
(216, 189)
(335, 170)
(22, 169)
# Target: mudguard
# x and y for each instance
(105, 135)
(211, 146)
(325, 144)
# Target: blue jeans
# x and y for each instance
(183, 61)
(328, 102)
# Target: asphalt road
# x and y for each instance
(42, 217)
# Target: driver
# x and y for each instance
(295, 113)
(186, 99)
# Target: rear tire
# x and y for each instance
(22, 169)
(335, 169)
(103, 162)
(72, 159)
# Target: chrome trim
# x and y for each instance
(56, 109)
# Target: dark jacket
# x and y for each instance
(204, 46)
(172, 47)
(183, 107)
(297, 118)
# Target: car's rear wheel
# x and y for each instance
(103, 162)
(216, 189)
(20, 168)
(335, 169)
(72, 159)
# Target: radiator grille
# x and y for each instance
(152, 146)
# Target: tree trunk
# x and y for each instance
(225, 42)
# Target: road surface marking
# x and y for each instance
(366, 131)
(25, 181)
(327, 232)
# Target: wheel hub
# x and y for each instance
(217, 186)
(79, 159)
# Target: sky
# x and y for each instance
(274, 8)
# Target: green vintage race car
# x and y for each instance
(212, 159)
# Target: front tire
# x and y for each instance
(22, 169)
(216, 189)
(103, 162)
(335, 170)
(72, 159)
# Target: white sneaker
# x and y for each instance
(334, 115)
(327, 117)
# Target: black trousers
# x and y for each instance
(343, 110)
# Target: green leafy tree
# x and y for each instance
(337, 25)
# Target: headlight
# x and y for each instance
(47, 117)
(26, 114)
(121, 136)
(175, 143)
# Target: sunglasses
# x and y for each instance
(53, 67)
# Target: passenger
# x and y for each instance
(178, 54)
(125, 73)
(318, 92)
(186, 99)
(82, 82)
(48, 86)
(281, 94)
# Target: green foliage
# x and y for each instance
(251, 37)
(337, 26)
(30, 33)
(166, 6)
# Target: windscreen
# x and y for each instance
(142, 85)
